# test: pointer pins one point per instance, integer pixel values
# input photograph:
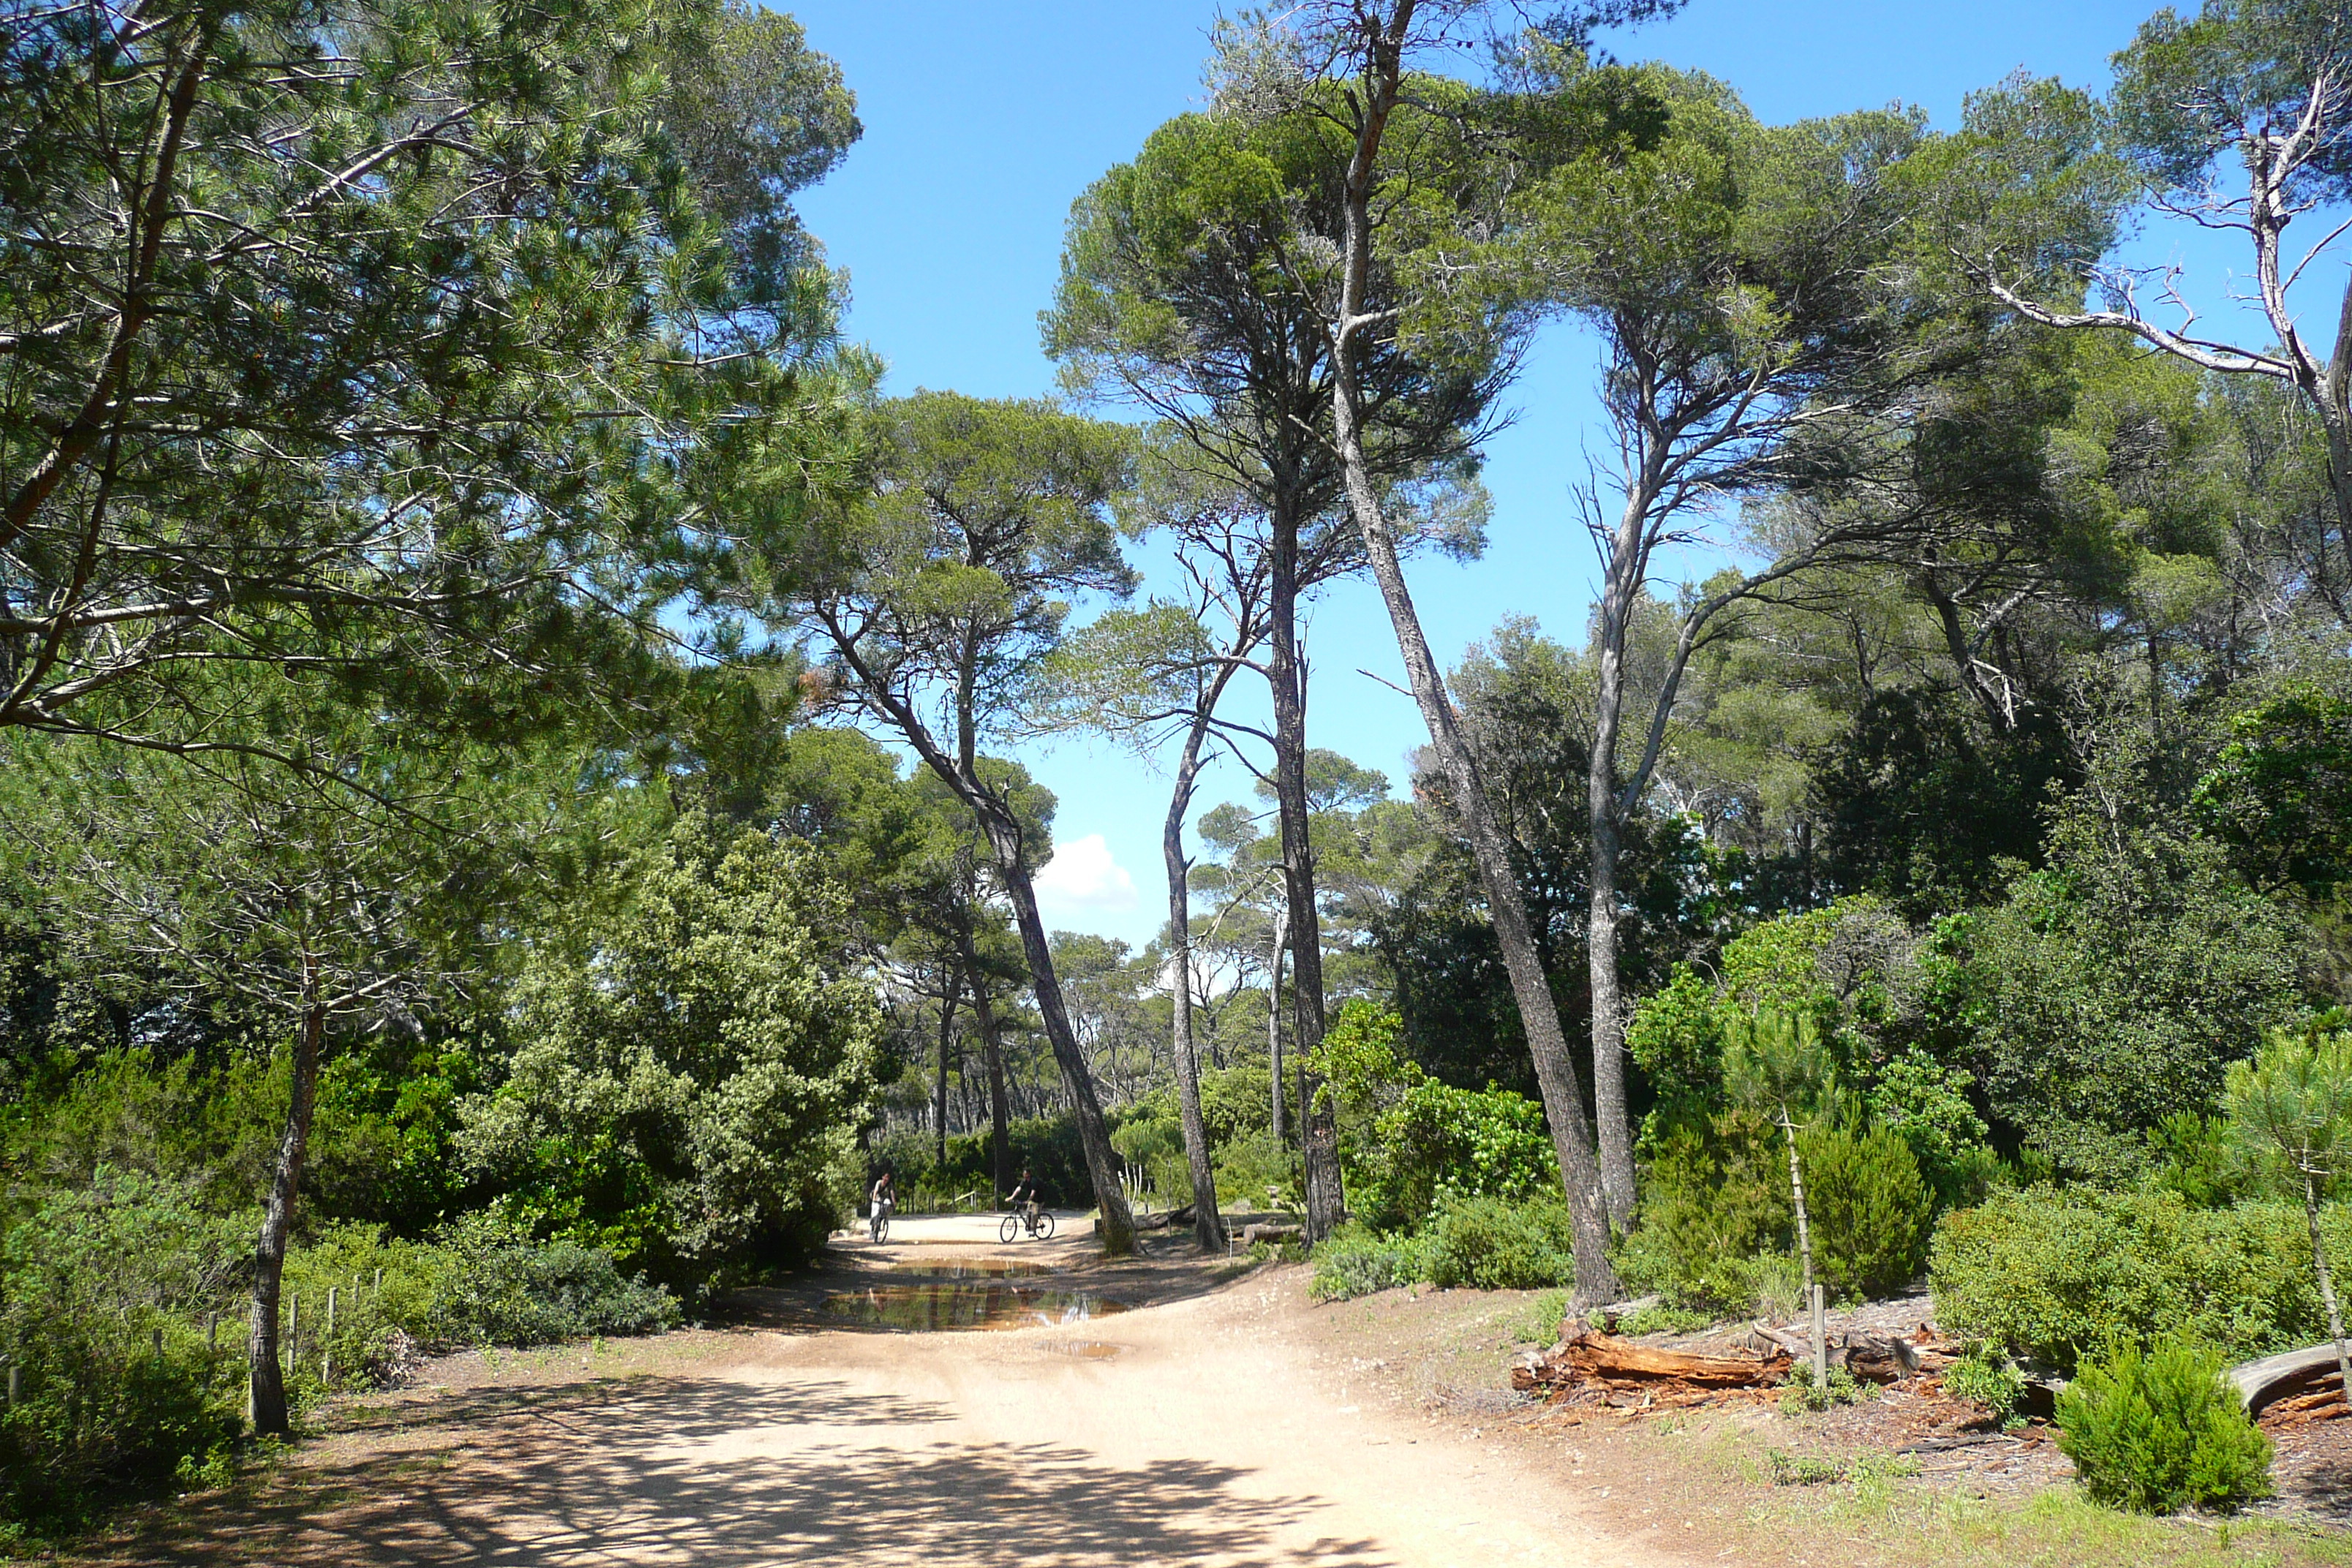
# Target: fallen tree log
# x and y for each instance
(1607, 1362)
(2259, 1383)
(1879, 1358)
(1273, 1235)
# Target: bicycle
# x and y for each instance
(1039, 1224)
(880, 1224)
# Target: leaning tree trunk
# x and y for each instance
(1563, 1096)
(2326, 1281)
(992, 1044)
(1094, 1138)
(1208, 1224)
(266, 1385)
(940, 1087)
(1318, 1131)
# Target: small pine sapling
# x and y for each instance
(2291, 1112)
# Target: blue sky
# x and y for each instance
(984, 122)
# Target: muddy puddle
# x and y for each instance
(973, 1268)
(942, 1304)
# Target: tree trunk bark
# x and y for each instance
(1094, 1138)
(1609, 1107)
(1596, 1281)
(940, 1087)
(1208, 1224)
(1000, 1137)
(1278, 1098)
(266, 1386)
(1805, 1251)
(2326, 1283)
(1318, 1132)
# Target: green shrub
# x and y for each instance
(1356, 1262)
(1870, 1210)
(1986, 1378)
(504, 1288)
(1801, 1395)
(1409, 1142)
(2050, 1274)
(105, 1294)
(1252, 1169)
(1493, 1245)
(2160, 1432)
(1714, 1204)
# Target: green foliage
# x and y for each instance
(1409, 1143)
(104, 1295)
(1987, 1378)
(2161, 1431)
(2050, 1275)
(1354, 1261)
(2112, 989)
(687, 1077)
(1801, 1395)
(1712, 1207)
(502, 1287)
(1926, 1105)
(2279, 793)
(1870, 1210)
(2291, 1108)
(1493, 1243)
(2193, 1157)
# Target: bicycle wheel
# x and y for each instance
(1044, 1227)
(881, 1229)
(1010, 1228)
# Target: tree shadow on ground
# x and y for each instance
(718, 1474)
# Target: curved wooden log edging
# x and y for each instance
(2274, 1377)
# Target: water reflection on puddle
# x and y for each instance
(944, 1304)
(973, 1268)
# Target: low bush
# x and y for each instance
(1495, 1245)
(2158, 1432)
(2050, 1275)
(1989, 1380)
(1255, 1171)
(105, 1295)
(1356, 1262)
(504, 1288)
(1801, 1395)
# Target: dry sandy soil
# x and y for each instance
(1214, 1427)
(1224, 1420)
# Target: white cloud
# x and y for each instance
(1083, 879)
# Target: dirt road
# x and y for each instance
(1196, 1431)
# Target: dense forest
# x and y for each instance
(508, 816)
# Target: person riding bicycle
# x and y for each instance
(885, 1197)
(1024, 1200)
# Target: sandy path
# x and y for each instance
(1206, 1438)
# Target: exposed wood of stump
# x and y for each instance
(2275, 1377)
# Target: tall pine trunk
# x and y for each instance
(1563, 1097)
(1609, 1106)
(992, 1044)
(1279, 1096)
(1085, 1109)
(266, 1385)
(1208, 1224)
(1319, 1131)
